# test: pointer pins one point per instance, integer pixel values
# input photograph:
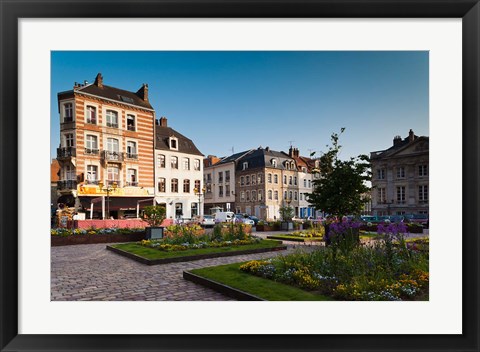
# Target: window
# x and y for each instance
(242, 196)
(174, 162)
(112, 174)
(197, 185)
(260, 195)
(295, 180)
(161, 184)
(186, 163)
(423, 193)
(209, 178)
(301, 196)
(381, 174)
(131, 122)
(161, 160)
(112, 119)
(304, 169)
(227, 176)
(305, 183)
(309, 183)
(275, 195)
(248, 196)
(220, 176)
(227, 190)
(242, 180)
(275, 178)
(287, 165)
(400, 172)
(422, 170)
(68, 112)
(69, 141)
(69, 173)
(132, 177)
(173, 143)
(186, 186)
(254, 180)
(259, 179)
(401, 194)
(220, 191)
(112, 149)
(247, 180)
(132, 150)
(290, 180)
(196, 164)
(381, 195)
(254, 196)
(285, 195)
(274, 162)
(284, 179)
(270, 194)
(290, 194)
(295, 196)
(174, 185)
(92, 174)
(245, 165)
(269, 178)
(91, 145)
(91, 114)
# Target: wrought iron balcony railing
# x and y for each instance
(66, 152)
(66, 184)
(132, 156)
(112, 156)
(132, 184)
(89, 151)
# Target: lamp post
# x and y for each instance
(108, 189)
(199, 193)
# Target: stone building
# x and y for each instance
(178, 172)
(106, 147)
(400, 177)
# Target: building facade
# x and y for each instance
(400, 177)
(305, 175)
(106, 148)
(178, 173)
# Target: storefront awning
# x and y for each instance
(117, 203)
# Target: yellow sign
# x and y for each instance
(83, 189)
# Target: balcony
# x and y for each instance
(91, 182)
(110, 183)
(66, 184)
(112, 124)
(112, 156)
(132, 156)
(132, 184)
(89, 151)
(66, 153)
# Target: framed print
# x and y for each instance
(252, 74)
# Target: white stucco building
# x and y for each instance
(178, 173)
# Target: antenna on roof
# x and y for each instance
(291, 143)
(232, 149)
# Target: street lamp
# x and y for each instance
(199, 194)
(108, 189)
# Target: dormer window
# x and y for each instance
(274, 162)
(245, 165)
(173, 143)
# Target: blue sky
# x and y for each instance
(246, 99)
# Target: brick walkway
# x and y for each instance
(91, 273)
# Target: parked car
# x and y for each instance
(416, 218)
(224, 216)
(207, 221)
(255, 219)
(241, 218)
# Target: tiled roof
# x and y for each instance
(112, 93)
(185, 145)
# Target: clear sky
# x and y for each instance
(245, 99)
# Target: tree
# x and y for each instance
(286, 213)
(340, 186)
(154, 215)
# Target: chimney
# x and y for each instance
(143, 92)
(296, 152)
(411, 136)
(99, 80)
(290, 152)
(267, 149)
(163, 122)
(397, 140)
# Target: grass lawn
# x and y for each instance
(295, 238)
(269, 290)
(151, 253)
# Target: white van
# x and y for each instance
(224, 216)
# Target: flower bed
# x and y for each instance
(388, 270)
(65, 237)
(315, 233)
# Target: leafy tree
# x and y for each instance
(341, 185)
(286, 213)
(154, 215)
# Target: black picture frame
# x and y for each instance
(12, 11)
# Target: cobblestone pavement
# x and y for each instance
(92, 273)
